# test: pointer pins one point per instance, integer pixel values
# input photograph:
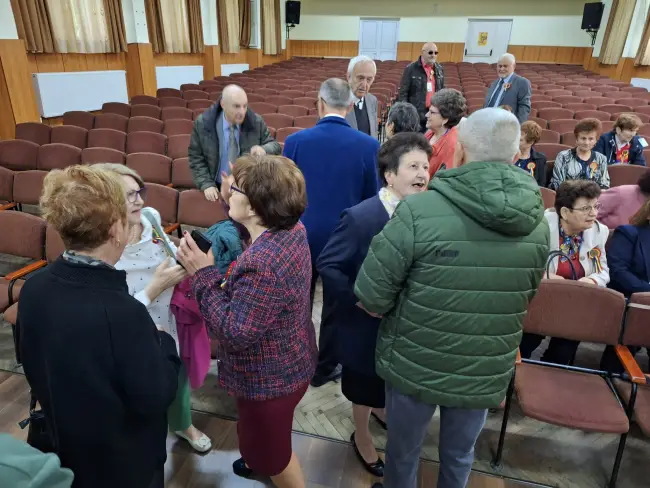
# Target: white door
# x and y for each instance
(378, 38)
(486, 40)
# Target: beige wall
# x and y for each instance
(535, 22)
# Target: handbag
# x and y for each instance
(555, 254)
(38, 434)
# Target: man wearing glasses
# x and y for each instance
(421, 79)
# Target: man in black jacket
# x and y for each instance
(421, 79)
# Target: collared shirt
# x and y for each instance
(502, 90)
(333, 115)
(359, 102)
(428, 69)
(223, 148)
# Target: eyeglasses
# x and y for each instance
(234, 188)
(132, 196)
(433, 52)
(431, 112)
(588, 208)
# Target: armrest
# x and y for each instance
(631, 366)
(30, 268)
(7, 206)
(518, 360)
(171, 228)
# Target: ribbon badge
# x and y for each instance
(593, 167)
(506, 86)
(227, 275)
(594, 255)
(531, 168)
(155, 238)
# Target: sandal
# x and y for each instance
(202, 444)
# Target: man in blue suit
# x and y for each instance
(340, 168)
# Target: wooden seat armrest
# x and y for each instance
(171, 228)
(26, 270)
(7, 206)
(631, 366)
(518, 360)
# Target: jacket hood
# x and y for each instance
(499, 196)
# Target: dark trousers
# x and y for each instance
(158, 479)
(560, 351)
(327, 360)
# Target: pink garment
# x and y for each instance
(193, 340)
(618, 204)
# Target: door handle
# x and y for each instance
(490, 52)
(465, 52)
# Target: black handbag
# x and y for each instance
(38, 434)
(559, 254)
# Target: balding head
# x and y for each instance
(429, 53)
(234, 103)
(489, 134)
(506, 65)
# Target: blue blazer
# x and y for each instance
(340, 168)
(338, 266)
(607, 145)
(628, 256)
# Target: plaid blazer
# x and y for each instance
(261, 315)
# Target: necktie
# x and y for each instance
(495, 95)
(233, 147)
(360, 104)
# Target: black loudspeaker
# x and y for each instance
(292, 12)
(592, 15)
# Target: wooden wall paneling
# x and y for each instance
(233, 58)
(115, 61)
(18, 94)
(335, 48)
(96, 62)
(211, 62)
(74, 62)
(160, 59)
(254, 58)
(140, 70)
(517, 51)
(185, 59)
(349, 49)
(548, 54)
(403, 51)
(457, 52)
(33, 64)
(531, 54)
(50, 63)
(7, 121)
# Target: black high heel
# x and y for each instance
(240, 469)
(376, 468)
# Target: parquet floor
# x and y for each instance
(534, 451)
(326, 463)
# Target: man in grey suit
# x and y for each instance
(363, 116)
(510, 89)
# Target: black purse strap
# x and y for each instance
(559, 254)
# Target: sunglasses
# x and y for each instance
(433, 52)
(132, 196)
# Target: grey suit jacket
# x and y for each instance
(371, 100)
(517, 96)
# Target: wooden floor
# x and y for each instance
(326, 463)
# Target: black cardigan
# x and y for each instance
(102, 372)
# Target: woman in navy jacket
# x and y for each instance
(622, 144)
(404, 169)
(628, 255)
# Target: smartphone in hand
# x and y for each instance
(202, 242)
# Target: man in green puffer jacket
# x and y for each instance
(452, 273)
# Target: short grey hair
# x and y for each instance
(508, 57)
(360, 59)
(404, 118)
(336, 93)
(490, 134)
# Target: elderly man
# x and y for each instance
(451, 322)
(363, 116)
(223, 133)
(402, 117)
(421, 79)
(340, 168)
(510, 89)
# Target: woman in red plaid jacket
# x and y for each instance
(261, 315)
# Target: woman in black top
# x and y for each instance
(531, 161)
(102, 373)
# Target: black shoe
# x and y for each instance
(379, 421)
(240, 469)
(376, 468)
(320, 379)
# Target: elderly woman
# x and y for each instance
(620, 203)
(404, 168)
(103, 374)
(622, 145)
(581, 238)
(582, 162)
(531, 161)
(151, 278)
(446, 111)
(260, 312)
(402, 117)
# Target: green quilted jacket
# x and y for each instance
(452, 273)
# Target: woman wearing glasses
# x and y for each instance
(581, 238)
(151, 276)
(447, 109)
(260, 312)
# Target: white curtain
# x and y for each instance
(79, 26)
(175, 26)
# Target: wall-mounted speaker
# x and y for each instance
(592, 15)
(292, 12)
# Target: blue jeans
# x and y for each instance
(408, 420)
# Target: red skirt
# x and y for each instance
(264, 431)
